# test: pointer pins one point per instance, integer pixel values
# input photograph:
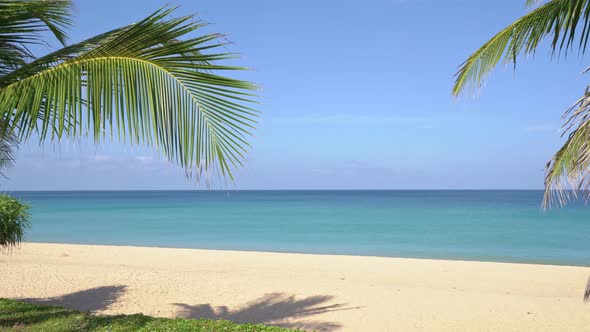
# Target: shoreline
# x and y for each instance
(309, 291)
(313, 254)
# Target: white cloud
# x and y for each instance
(72, 163)
(542, 128)
(101, 157)
(338, 118)
(354, 168)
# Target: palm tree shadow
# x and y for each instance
(91, 300)
(272, 309)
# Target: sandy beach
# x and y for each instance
(314, 292)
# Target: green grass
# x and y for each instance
(21, 316)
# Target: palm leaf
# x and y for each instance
(568, 172)
(141, 84)
(558, 19)
(23, 22)
(8, 147)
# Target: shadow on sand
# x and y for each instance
(277, 309)
(273, 309)
(93, 299)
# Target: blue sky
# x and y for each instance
(356, 95)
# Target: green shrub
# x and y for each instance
(14, 221)
(20, 316)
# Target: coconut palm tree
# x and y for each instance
(156, 82)
(567, 25)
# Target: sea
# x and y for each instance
(482, 225)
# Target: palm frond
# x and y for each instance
(568, 172)
(558, 19)
(8, 146)
(141, 84)
(23, 22)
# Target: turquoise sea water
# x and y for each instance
(468, 225)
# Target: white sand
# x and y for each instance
(321, 292)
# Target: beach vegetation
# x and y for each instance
(14, 221)
(23, 316)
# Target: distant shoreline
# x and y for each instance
(315, 292)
